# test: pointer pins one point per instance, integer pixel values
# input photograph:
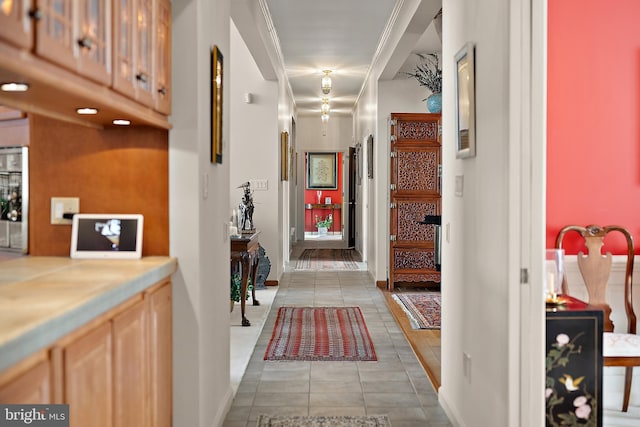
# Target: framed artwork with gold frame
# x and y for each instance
(216, 104)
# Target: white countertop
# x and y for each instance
(44, 298)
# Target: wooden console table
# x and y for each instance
(244, 254)
(321, 206)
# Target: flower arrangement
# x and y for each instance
(428, 72)
(326, 222)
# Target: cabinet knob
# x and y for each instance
(162, 90)
(35, 14)
(85, 42)
(142, 77)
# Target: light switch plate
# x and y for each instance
(63, 205)
(259, 184)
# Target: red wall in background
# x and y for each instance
(593, 129)
(311, 197)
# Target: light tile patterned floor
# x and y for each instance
(395, 385)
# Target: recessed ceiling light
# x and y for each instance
(87, 111)
(14, 87)
(121, 122)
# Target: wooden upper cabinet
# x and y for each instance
(144, 52)
(77, 35)
(15, 22)
(163, 56)
(133, 52)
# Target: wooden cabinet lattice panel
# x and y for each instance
(410, 259)
(409, 214)
(417, 130)
(417, 170)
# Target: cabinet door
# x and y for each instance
(55, 39)
(34, 386)
(15, 23)
(124, 46)
(130, 367)
(163, 56)
(88, 379)
(144, 52)
(93, 35)
(161, 346)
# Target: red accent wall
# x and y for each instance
(311, 196)
(593, 129)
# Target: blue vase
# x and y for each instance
(434, 103)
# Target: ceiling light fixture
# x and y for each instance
(14, 87)
(325, 106)
(121, 122)
(87, 111)
(326, 82)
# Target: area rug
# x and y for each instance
(320, 333)
(423, 309)
(328, 259)
(343, 421)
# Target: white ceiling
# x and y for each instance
(338, 35)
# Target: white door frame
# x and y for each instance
(527, 190)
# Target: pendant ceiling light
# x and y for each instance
(326, 82)
(325, 106)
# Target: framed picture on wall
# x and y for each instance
(465, 102)
(322, 171)
(216, 105)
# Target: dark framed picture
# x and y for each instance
(322, 171)
(216, 104)
(284, 153)
(370, 157)
(465, 102)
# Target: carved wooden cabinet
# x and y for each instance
(414, 193)
(15, 23)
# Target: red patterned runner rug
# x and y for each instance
(423, 309)
(320, 333)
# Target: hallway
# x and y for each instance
(395, 385)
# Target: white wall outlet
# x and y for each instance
(61, 206)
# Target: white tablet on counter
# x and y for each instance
(116, 236)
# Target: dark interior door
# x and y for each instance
(351, 199)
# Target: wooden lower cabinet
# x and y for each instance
(115, 372)
(88, 379)
(130, 351)
(161, 361)
(33, 386)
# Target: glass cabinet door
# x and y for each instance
(54, 35)
(93, 36)
(15, 23)
(123, 47)
(144, 52)
(163, 57)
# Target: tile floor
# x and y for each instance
(395, 385)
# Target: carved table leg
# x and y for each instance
(254, 276)
(245, 277)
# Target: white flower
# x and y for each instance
(548, 392)
(562, 339)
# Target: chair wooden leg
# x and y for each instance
(628, 375)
